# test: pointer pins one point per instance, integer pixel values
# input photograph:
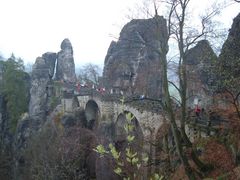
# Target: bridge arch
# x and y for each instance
(92, 113)
(120, 137)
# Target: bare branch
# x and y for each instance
(179, 91)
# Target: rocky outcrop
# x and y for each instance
(40, 80)
(42, 75)
(199, 64)
(65, 63)
(233, 40)
(230, 53)
(132, 64)
(50, 60)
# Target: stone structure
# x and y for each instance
(106, 109)
(65, 63)
(40, 80)
(43, 74)
(199, 61)
(50, 60)
(132, 64)
(233, 40)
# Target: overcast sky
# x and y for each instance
(30, 28)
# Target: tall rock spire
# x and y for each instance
(65, 63)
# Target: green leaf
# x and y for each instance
(129, 117)
(118, 170)
(130, 138)
(114, 152)
(120, 163)
(130, 127)
(135, 160)
(128, 160)
(145, 158)
(156, 177)
(100, 149)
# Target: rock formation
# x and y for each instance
(132, 64)
(233, 40)
(40, 80)
(50, 60)
(230, 54)
(199, 61)
(65, 63)
(43, 74)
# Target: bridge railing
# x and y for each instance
(206, 124)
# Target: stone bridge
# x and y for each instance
(109, 108)
(105, 108)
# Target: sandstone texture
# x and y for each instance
(199, 61)
(132, 64)
(65, 63)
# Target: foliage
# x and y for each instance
(5, 164)
(129, 164)
(15, 89)
(219, 156)
(53, 155)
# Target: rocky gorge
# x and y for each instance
(52, 144)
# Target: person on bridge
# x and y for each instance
(197, 111)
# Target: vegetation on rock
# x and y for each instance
(15, 89)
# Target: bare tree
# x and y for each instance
(185, 37)
(89, 73)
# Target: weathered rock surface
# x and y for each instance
(65, 63)
(199, 61)
(50, 60)
(132, 64)
(40, 80)
(230, 53)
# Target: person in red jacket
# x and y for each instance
(197, 110)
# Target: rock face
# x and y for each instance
(230, 53)
(65, 63)
(50, 60)
(42, 75)
(132, 64)
(233, 40)
(40, 80)
(199, 60)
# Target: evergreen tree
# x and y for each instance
(14, 88)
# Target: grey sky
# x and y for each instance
(30, 28)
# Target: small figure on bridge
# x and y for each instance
(197, 111)
(101, 90)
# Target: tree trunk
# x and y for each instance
(169, 109)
